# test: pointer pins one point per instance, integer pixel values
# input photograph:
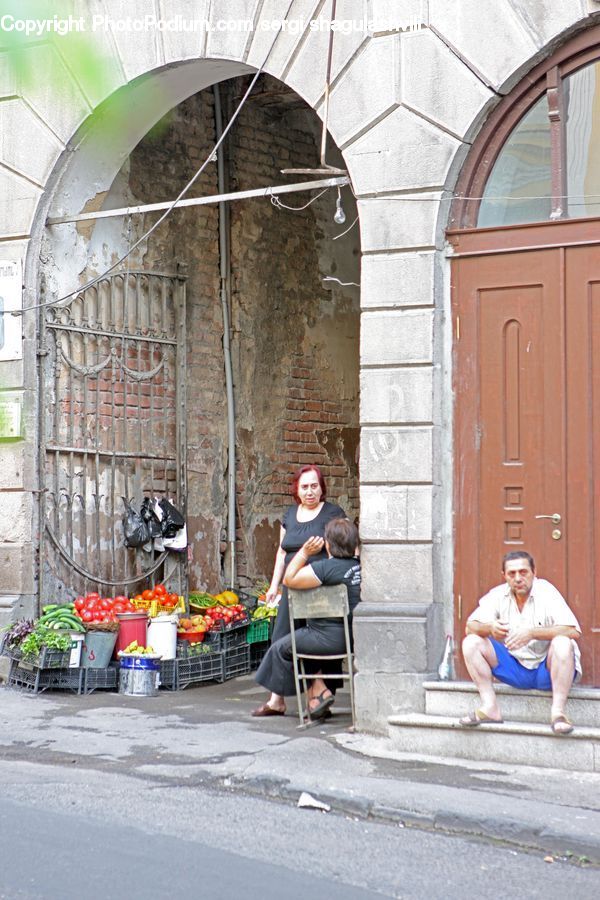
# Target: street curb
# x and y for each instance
(507, 830)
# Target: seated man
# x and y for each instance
(524, 634)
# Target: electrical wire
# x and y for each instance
(181, 194)
(349, 228)
(277, 202)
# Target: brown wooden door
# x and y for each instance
(526, 380)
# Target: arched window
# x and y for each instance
(538, 156)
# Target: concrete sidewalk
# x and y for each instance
(206, 735)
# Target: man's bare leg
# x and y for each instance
(561, 665)
(480, 658)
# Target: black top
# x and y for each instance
(297, 533)
(340, 571)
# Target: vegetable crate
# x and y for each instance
(153, 607)
(258, 631)
(99, 679)
(177, 674)
(35, 680)
(228, 638)
(168, 674)
(258, 651)
(236, 662)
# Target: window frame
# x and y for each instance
(547, 77)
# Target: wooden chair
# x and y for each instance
(327, 602)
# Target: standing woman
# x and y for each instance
(305, 519)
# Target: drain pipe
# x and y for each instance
(225, 272)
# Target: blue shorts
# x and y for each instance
(511, 671)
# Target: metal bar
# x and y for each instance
(179, 304)
(126, 454)
(337, 181)
(70, 437)
(109, 334)
(42, 461)
(327, 86)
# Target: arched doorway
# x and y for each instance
(294, 334)
(526, 322)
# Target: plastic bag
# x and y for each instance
(179, 542)
(135, 529)
(172, 520)
(150, 518)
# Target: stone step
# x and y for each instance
(514, 743)
(458, 698)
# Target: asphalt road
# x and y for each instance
(72, 833)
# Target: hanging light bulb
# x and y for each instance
(339, 216)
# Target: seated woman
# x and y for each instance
(318, 636)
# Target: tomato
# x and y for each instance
(92, 596)
(80, 603)
(86, 615)
(160, 590)
(147, 595)
(92, 604)
(118, 606)
(174, 599)
(137, 598)
(120, 599)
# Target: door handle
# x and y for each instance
(555, 517)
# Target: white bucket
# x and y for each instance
(75, 657)
(162, 635)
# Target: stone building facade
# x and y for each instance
(360, 381)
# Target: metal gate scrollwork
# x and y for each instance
(112, 425)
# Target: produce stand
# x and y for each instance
(227, 639)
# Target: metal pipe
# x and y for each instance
(327, 87)
(337, 181)
(225, 272)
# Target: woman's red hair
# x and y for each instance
(302, 471)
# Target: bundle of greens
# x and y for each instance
(17, 633)
(42, 637)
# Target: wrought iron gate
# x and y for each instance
(112, 425)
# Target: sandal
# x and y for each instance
(479, 717)
(557, 722)
(321, 708)
(266, 710)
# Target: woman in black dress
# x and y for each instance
(306, 518)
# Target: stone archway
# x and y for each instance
(295, 339)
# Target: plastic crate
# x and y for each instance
(49, 659)
(187, 649)
(199, 669)
(9, 652)
(236, 662)
(36, 680)
(258, 631)
(168, 674)
(227, 638)
(258, 653)
(99, 679)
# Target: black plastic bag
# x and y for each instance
(172, 520)
(150, 518)
(135, 529)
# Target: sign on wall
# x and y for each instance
(11, 298)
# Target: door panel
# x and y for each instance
(582, 288)
(527, 385)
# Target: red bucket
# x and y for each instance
(132, 627)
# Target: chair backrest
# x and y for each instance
(325, 602)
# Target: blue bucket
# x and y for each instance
(139, 675)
